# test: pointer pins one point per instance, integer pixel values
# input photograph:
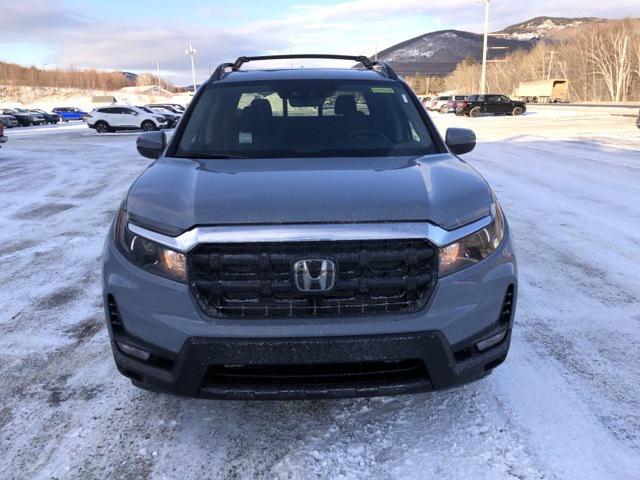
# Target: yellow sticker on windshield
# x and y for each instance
(382, 90)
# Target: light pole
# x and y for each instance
(483, 78)
(192, 53)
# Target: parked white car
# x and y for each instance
(115, 117)
(440, 103)
(166, 111)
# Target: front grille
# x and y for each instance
(322, 375)
(256, 279)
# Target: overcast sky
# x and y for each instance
(134, 34)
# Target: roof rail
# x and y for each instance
(386, 68)
(366, 62)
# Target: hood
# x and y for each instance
(173, 194)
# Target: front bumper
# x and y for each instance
(206, 367)
(161, 317)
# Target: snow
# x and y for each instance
(564, 405)
(48, 98)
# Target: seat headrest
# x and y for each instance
(261, 108)
(345, 104)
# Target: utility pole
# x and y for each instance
(483, 78)
(192, 53)
(158, 73)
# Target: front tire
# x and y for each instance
(102, 127)
(517, 111)
(148, 126)
(475, 112)
(444, 109)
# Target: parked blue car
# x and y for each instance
(70, 113)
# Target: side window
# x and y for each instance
(493, 99)
(505, 99)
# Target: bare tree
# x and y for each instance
(17, 75)
(609, 51)
(601, 62)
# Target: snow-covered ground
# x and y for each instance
(565, 405)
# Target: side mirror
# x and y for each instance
(151, 144)
(460, 140)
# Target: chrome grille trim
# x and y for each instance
(311, 232)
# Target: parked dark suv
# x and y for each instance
(491, 104)
(307, 233)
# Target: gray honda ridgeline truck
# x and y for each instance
(307, 233)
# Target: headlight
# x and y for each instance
(148, 255)
(473, 248)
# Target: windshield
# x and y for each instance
(285, 118)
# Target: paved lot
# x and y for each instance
(565, 405)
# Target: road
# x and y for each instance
(565, 405)
(625, 105)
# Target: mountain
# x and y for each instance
(438, 53)
(540, 27)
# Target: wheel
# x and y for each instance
(102, 127)
(444, 109)
(517, 111)
(148, 126)
(475, 112)
(84, 118)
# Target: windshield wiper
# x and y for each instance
(214, 156)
